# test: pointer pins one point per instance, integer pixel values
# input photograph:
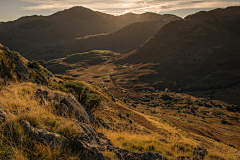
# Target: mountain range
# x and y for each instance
(123, 41)
(32, 32)
(200, 52)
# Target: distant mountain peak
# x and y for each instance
(79, 8)
(74, 10)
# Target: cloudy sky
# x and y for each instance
(13, 9)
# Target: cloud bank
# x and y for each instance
(117, 7)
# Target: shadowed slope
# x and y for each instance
(200, 52)
(38, 31)
(124, 40)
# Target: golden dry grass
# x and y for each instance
(174, 147)
(15, 144)
(180, 143)
(18, 97)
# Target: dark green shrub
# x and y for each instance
(94, 101)
(166, 97)
(113, 98)
(231, 145)
(233, 108)
(35, 65)
(78, 88)
(134, 105)
(130, 121)
(90, 101)
(225, 122)
(16, 53)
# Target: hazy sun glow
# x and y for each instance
(116, 7)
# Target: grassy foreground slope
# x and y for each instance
(133, 128)
(153, 134)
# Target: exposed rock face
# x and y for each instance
(102, 123)
(62, 109)
(21, 69)
(43, 78)
(48, 94)
(75, 109)
(91, 154)
(48, 138)
(182, 158)
(91, 138)
(2, 70)
(55, 140)
(13, 67)
(199, 153)
(3, 114)
(48, 72)
(128, 155)
(68, 107)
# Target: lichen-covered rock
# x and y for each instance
(3, 114)
(48, 95)
(125, 154)
(90, 136)
(199, 153)
(43, 80)
(61, 109)
(89, 153)
(102, 123)
(182, 158)
(58, 97)
(48, 72)
(12, 67)
(48, 138)
(20, 68)
(2, 70)
(76, 110)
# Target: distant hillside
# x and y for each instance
(37, 31)
(200, 52)
(124, 40)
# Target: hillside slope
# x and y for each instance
(124, 40)
(38, 31)
(200, 52)
(47, 121)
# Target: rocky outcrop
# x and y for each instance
(125, 154)
(21, 69)
(76, 110)
(103, 124)
(182, 158)
(13, 67)
(2, 70)
(48, 72)
(3, 114)
(48, 94)
(48, 138)
(91, 138)
(61, 109)
(65, 106)
(43, 79)
(55, 141)
(198, 154)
